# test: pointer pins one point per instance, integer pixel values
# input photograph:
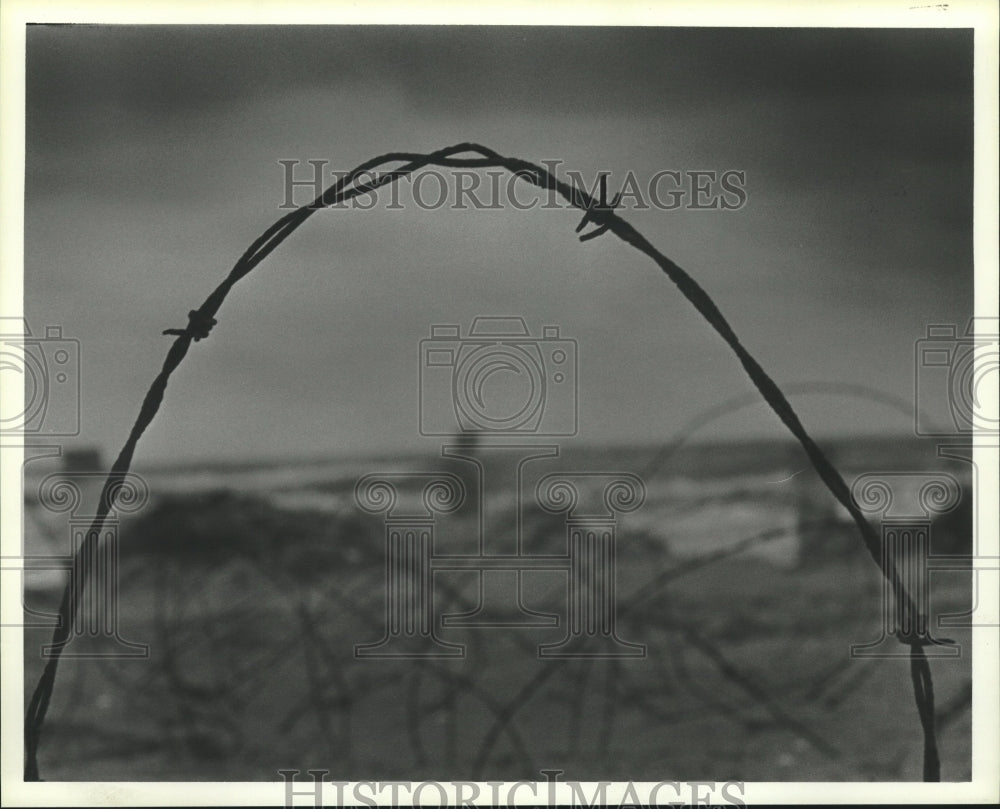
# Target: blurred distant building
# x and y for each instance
(47, 544)
(87, 459)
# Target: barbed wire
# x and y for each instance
(598, 212)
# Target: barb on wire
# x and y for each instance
(599, 211)
(198, 327)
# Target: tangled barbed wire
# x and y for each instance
(597, 211)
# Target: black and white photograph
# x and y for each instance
(580, 405)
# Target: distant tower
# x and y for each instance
(86, 459)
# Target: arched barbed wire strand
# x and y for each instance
(605, 219)
(627, 610)
(686, 431)
(732, 673)
(923, 690)
(658, 582)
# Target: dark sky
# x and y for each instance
(152, 162)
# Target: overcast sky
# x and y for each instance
(153, 161)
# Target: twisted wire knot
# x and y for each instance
(199, 325)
